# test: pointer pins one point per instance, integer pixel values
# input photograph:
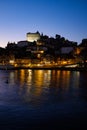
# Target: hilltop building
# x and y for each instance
(31, 37)
(22, 43)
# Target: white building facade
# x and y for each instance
(31, 37)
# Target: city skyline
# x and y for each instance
(64, 17)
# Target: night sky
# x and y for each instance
(67, 18)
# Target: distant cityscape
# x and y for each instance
(40, 50)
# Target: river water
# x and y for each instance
(43, 99)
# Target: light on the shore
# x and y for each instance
(11, 61)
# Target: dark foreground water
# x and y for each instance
(49, 99)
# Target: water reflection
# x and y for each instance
(43, 94)
(38, 86)
(12, 81)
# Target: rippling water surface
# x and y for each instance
(43, 98)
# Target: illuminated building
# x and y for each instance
(31, 37)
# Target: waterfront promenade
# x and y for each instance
(44, 68)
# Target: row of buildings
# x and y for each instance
(40, 50)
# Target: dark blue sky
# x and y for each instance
(65, 17)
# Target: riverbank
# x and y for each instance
(46, 68)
